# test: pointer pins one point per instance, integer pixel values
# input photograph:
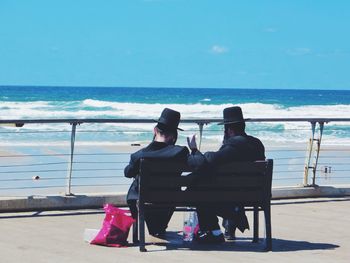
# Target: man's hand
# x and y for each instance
(192, 143)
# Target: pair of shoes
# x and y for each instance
(207, 237)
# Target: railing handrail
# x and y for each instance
(317, 124)
(206, 121)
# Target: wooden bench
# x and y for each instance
(241, 183)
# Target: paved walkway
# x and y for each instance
(306, 230)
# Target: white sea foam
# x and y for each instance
(265, 137)
(251, 110)
(144, 110)
(90, 108)
(43, 109)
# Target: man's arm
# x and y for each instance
(210, 159)
(225, 154)
(196, 159)
(132, 169)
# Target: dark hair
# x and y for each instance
(167, 133)
(238, 127)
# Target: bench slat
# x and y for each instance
(168, 196)
(255, 180)
(238, 167)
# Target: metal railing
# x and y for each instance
(308, 158)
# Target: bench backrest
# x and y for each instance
(246, 183)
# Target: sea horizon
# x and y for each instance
(168, 87)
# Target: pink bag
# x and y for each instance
(115, 228)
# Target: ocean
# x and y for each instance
(147, 103)
(103, 149)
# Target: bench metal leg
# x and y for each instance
(135, 231)
(142, 227)
(267, 213)
(256, 225)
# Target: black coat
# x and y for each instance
(157, 150)
(236, 148)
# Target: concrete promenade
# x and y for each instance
(303, 230)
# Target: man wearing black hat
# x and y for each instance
(162, 147)
(237, 146)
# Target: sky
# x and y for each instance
(296, 44)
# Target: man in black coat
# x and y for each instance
(162, 147)
(237, 146)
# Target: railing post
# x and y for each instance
(70, 162)
(318, 147)
(200, 124)
(309, 153)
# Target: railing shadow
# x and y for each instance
(308, 200)
(282, 245)
(50, 213)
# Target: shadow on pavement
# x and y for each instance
(308, 201)
(173, 241)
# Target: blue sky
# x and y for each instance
(297, 44)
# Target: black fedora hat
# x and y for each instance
(232, 115)
(169, 120)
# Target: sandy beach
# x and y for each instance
(99, 168)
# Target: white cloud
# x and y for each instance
(270, 30)
(299, 51)
(54, 49)
(219, 49)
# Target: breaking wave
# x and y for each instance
(91, 108)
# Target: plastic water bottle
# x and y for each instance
(190, 224)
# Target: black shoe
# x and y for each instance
(207, 237)
(160, 234)
(230, 230)
(230, 235)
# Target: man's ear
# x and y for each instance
(170, 139)
(230, 131)
(154, 133)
